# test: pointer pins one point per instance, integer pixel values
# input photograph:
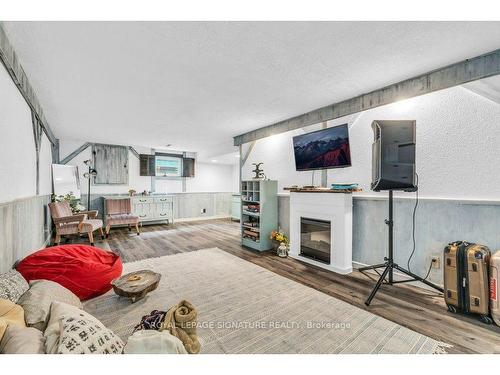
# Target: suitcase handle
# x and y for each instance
(458, 243)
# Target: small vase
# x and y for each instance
(282, 250)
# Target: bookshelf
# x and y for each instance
(259, 213)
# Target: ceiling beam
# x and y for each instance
(78, 151)
(469, 70)
(10, 61)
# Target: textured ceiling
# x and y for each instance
(194, 85)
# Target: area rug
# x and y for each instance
(244, 308)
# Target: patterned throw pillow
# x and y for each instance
(12, 285)
(84, 334)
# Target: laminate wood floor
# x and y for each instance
(408, 305)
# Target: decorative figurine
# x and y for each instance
(259, 173)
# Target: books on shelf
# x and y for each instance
(255, 208)
(251, 233)
(251, 224)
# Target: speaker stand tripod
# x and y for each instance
(389, 265)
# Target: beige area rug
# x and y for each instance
(244, 308)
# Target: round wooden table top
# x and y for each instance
(136, 285)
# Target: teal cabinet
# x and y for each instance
(259, 213)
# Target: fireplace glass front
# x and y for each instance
(315, 239)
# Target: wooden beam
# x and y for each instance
(10, 61)
(243, 158)
(469, 70)
(134, 151)
(76, 152)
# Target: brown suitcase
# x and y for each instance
(466, 282)
(494, 297)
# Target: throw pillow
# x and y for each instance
(37, 300)
(84, 334)
(21, 340)
(71, 330)
(12, 285)
(10, 314)
(154, 342)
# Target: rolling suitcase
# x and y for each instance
(466, 283)
(494, 298)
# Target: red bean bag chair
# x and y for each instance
(85, 270)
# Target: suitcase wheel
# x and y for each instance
(452, 309)
(486, 319)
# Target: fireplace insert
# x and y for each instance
(315, 239)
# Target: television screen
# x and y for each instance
(326, 148)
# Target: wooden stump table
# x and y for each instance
(136, 285)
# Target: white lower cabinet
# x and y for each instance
(154, 208)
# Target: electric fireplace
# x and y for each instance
(315, 239)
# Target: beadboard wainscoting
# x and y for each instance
(25, 226)
(186, 205)
(438, 222)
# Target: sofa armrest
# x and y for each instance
(90, 214)
(78, 218)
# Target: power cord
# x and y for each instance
(413, 233)
(413, 226)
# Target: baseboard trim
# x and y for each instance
(188, 219)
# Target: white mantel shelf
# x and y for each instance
(336, 208)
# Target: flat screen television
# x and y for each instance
(322, 149)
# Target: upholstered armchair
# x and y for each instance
(119, 212)
(67, 223)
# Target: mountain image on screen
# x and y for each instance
(328, 148)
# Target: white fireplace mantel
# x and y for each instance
(333, 207)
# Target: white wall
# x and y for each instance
(208, 177)
(458, 137)
(211, 178)
(17, 146)
(45, 159)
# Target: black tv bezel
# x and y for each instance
(321, 168)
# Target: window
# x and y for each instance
(168, 166)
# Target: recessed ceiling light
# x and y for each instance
(214, 161)
(237, 155)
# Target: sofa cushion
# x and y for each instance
(12, 285)
(22, 340)
(10, 314)
(37, 300)
(85, 270)
(73, 331)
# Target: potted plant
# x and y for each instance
(74, 202)
(281, 242)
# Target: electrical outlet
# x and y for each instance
(436, 261)
(203, 210)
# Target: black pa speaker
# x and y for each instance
(393, 155)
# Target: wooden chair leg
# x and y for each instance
(57, 240)
(102, 233)
(129, 227)
(91, 238)
(137, 228)
(108, 228)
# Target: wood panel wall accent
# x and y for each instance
(147, 165)
(25, 226)
(188, 166)
(111, 164)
